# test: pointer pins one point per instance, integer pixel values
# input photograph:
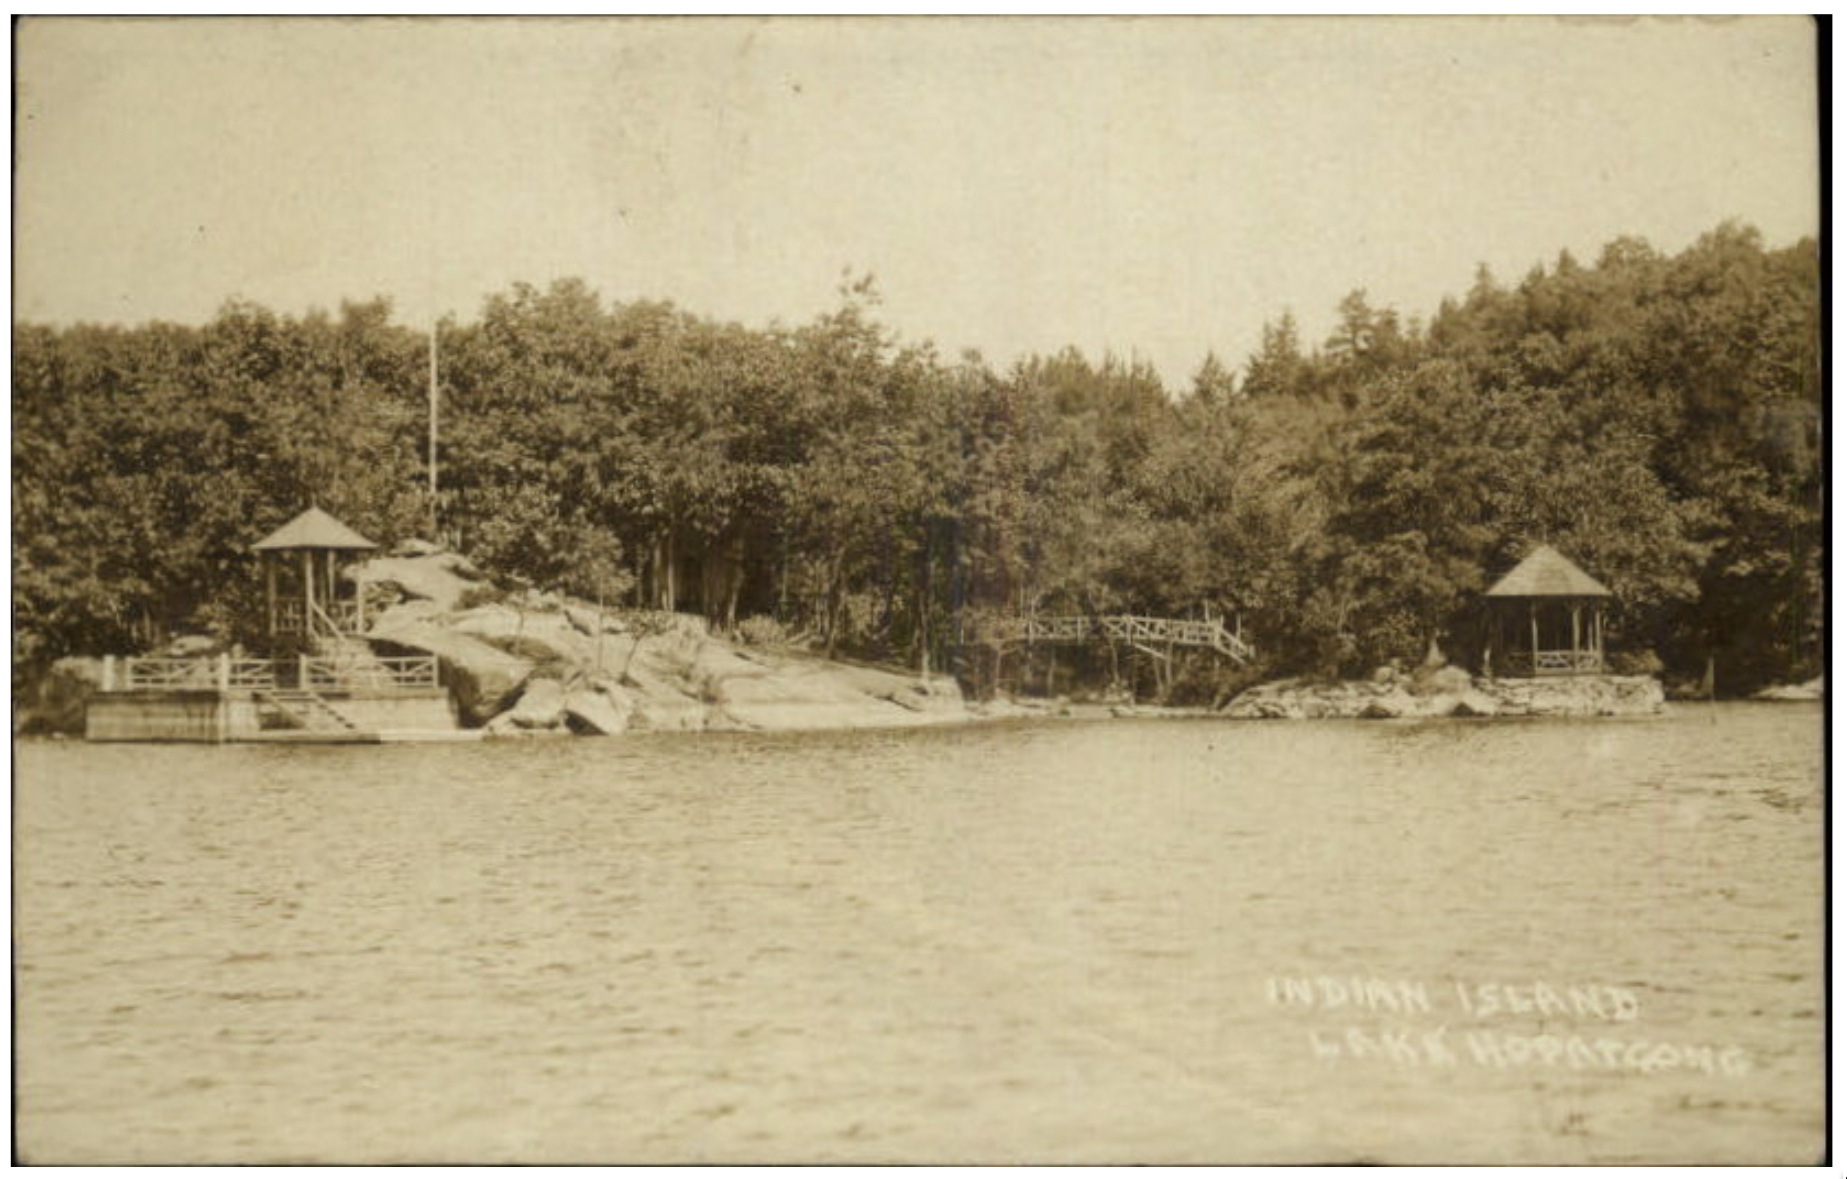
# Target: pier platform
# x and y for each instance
(309, 701)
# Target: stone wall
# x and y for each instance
(1389, 696)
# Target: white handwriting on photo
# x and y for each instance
(1402, 1022)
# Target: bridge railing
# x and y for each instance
(1126, 628)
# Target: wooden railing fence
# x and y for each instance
(314, 673)
(1140, 631)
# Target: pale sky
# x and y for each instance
(1156, 187)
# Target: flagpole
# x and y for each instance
(433, 521)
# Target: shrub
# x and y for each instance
(1643, 662)
(485, 594)
(760, 630)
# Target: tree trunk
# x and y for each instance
(836, 594)
(782, 582)
(923, 612)
(673, 573)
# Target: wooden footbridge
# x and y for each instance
(1151, 636)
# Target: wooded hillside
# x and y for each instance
(1655, 417)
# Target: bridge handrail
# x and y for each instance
(1131, 628)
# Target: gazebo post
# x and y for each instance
(307, 591)
(1574, 636)
(1532, 615)
(269, 589)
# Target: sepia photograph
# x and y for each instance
(918, 590)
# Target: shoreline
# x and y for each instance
(522, 666)
(1009, 712)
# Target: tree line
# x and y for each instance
(1655, 417)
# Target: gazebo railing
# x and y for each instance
(1565, 662)
(291, 619)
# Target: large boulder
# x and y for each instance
(550, 637)
(1813, 690)
(402, 612)
(505, 726)
(483, 678)
(590, 621)
(1319, 708)
(192, 647)
(1389, 706)
(598, 708)
(1440, 681)
(441, 578)
(1475, 703)
(541, 638)
(1276, 700)
(666, 665)
(540, 706)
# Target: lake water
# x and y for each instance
(1051, 941)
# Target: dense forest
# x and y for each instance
(1655, 417)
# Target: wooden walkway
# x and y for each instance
(1152, 636)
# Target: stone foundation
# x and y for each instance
(1389, 698)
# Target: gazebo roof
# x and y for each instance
(313, 529)
(1548, 573)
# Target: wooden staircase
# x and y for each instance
(352, 662)
(304, 709)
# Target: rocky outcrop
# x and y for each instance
(483, 678)
(56, 701)
(1449, 692)
(540, 706)
(535, 664)
(192, 647)
(598, 708)
(1813, 690)
(1475, 703)
(1439, 681)
(437, 577)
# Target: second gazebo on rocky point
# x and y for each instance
(1546, 618)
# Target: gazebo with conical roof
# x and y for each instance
(308, 549)
(1546, 618)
